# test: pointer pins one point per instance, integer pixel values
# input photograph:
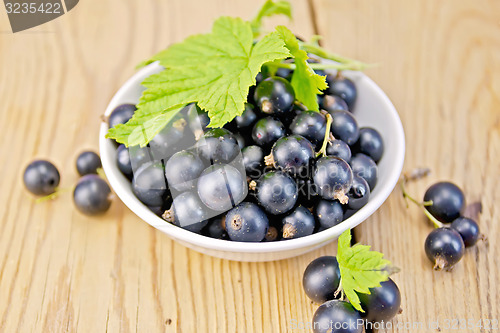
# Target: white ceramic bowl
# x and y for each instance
(373, 108)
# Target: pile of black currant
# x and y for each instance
(444, 204)
(278, 171)
(321, 282)
(91, 195)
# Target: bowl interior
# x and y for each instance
(373, 109)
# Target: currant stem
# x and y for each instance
(54, 195)
(322, 151)
(423, 204)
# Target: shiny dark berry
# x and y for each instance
(311, 125)
(383, 302)
(164, 144)
(266, 131)
(448, 201)
(321, 279)
(299, 223)
(218, 145)
(333, 176)
(87, 163)
(337, 316)
(339, 149)
(149, 184)
(345, 127)
(364, 167)
(276, 192)
(183, 169)
(370, 143)
(468, 229)
(444, 247)
(121, 114)
(344, 88)
(274, 95)
(334, 103)
(123, 161)
(359, 194)
(216, 228)
(187, 212)
(221, 187)
(246, 223)
(248, 118)
(253, 160)
(329, 213)
(41, 177)
(293, 154)
(92, 195)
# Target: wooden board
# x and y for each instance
(61, 271)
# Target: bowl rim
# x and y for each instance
(115, 179)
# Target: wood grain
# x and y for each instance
(61, 271)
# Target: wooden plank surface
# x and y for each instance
(61, 271)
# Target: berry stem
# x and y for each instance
(322, 151)
(423, 204)
(314, 48)
(54, 195)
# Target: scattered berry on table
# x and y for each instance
(337, 316)
(468, 229)
(92, 195)
(41, 177)
(383, 302)
(87, 163)
(448, 201)
(444, 247)
(321, 279)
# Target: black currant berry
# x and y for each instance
(339, 149)
(332, 103)
(299, 223)
(149, 184)
(292, 154)
(345, 127)
(218, 145)
(329, 213)
(247, 119)
(92, 195)
(274, 95)
(246, 223)
(311, 125)
(444, 247)
(344, 88)
(183, 169)
(370, 143)
(221, 187)
(41, 177)
(253, 160)
(337, 317)
(359, 194)
(121, 114)
(87, 163)
(163, 145)
(333, 177)
(276, 192)
(468, 229)
(321, 279)
(364, 167)
(187, 212)
(266, 131)
(448, 201)
(216, 228)
(383, 302)
(198, 120)
(123, 161)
